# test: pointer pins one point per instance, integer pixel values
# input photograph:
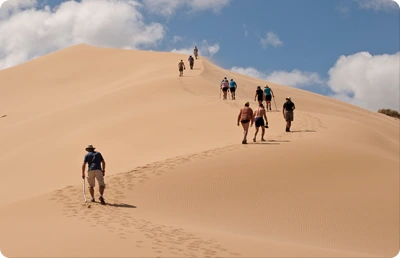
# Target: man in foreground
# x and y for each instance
(96, 170)
(287, 111)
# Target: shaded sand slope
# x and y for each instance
(179, 182)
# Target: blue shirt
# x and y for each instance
(232, 84)
(93, 159)
(267, 91)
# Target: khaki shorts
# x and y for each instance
(95, 174)
(289, 116)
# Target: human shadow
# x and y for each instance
(264, 143)
(196, 69)
(276, 141)
(304, 131)
(120, 205)
(3, 116)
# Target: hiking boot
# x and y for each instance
(102, 200)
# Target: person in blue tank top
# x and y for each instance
(232, 88)
(269, 94)
(96, 170)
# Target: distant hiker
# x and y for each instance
(259, 116)
(268, 97)
(182, 67)
(225, 87)
(259, 95)
(96, 170)
(232, 88)
(191, 62)
(195, 52)
(245, 117)
(287, 111)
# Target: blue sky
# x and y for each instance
(306, 39)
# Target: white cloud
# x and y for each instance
(295, 78)
(25, 34)
(13, 6)
(168, 8)
(204, 49)
(378, 5)
(368, 81)
(249, 71)
(271, 39)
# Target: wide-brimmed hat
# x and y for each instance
(90, 147)
(289, 98)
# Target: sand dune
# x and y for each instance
(179, 181)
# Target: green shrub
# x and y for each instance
(390, 112)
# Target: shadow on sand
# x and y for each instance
(304, 131)
(264, 143)
(120, 205)
(276, 141)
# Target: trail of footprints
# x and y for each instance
(117, 220)
(159, 237)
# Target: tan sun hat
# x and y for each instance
(90, 147)
(289, 98)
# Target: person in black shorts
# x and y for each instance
(259, 116)
(287, 111)
(259, 95)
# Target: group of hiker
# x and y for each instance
(228, 86)
(181, 64)
(247, 117)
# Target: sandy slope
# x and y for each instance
(178, 180)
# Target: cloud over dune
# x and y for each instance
(368, 81)
(204, 49)
(28, 31)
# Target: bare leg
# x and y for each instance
(262, 134)
(246, 130)
(255, 135)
